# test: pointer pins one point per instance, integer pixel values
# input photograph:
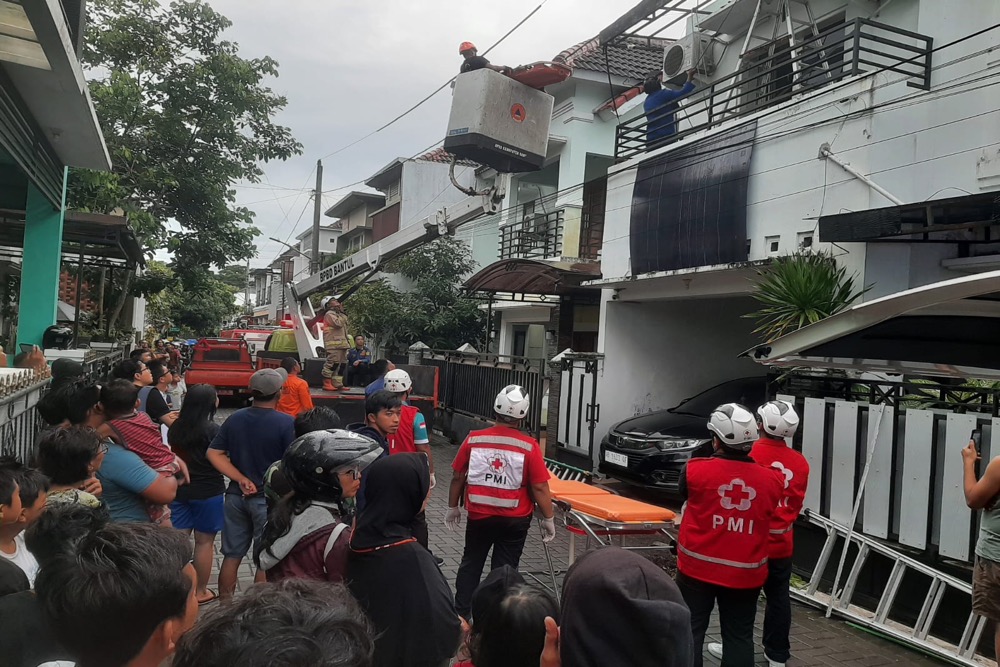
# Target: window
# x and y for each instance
(772, 244)
(392, 192)
(805, 240)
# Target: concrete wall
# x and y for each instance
(660, 352)
(426, 187)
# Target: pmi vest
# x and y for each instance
(794, 471)
(726, 523)
(496, 482)
(402, 441)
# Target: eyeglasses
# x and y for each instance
(103, 447)
(355, 473)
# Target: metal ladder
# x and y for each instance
(841, 602)
(780, 14)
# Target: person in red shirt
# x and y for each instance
(502, 473)
(778, 421)
(295, 397)
(722, 549)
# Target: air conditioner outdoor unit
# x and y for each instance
(693, 51)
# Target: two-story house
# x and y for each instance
(353, 213)
(551, 228)
(869, 132)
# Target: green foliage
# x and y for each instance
(234, 275)
(434, 311)
(184, 117)
(198, 310)
(801, 289)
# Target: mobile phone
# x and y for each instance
(977, 437)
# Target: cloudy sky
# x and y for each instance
(347, 67)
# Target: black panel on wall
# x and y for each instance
(689, 207)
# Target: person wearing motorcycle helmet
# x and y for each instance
(778, 421)
(722, 549)
(501, 471)
(306, 535)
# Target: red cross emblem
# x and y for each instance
(736, 495)
(497, 464)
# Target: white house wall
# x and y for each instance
(426, 188)
(657, 353)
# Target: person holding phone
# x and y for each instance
(981, 494)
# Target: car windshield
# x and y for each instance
(746, 391)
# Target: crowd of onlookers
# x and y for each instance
(107, 538)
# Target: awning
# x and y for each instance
(530, 276)
(105, 240)
(946, 329)
(951, 220)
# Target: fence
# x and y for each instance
(469, 383)
(914, 433)
(538, 236)
(840, 51)
(19, 419)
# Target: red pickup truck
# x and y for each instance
(226, 364)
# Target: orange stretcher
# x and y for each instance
(600, 515)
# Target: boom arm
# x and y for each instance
(371, 259)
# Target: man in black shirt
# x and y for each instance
(474, 61)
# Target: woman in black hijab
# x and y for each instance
(620, 609)
(395, 579)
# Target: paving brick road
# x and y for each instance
(816, 640)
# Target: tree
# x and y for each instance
(434, 311)
(234, 275)
(184, 117)
(801, 289)
(198, 312)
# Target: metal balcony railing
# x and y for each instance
(846, 49)
(537, 236)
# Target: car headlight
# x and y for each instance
(679, 443)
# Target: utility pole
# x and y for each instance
(317, 213)
(246, 292)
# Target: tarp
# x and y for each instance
(689, 206)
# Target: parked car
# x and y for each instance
(651, 449)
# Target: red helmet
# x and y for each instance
(466, 46)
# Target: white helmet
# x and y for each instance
(734, 425)
(512, 401)
(397, 381)
(779, 418)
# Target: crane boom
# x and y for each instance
(368, 261)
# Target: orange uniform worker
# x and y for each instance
(295, 398)
(502, 472)
(722, 549)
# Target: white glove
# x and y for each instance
(433, 481)
(454, 518)
(548, 529)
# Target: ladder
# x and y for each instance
(778, 13)
(842, 603)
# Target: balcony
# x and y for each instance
(781, 73)
(537, 236)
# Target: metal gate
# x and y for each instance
(579, 410)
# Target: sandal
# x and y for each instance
(212, 597)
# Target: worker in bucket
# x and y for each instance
(777, 421)
(474, 61)
(336, 342)
(722, 549)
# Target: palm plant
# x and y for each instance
(801, 289)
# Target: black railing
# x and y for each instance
(469, 383)
(591, 235)
(538, 236)
(840, 51)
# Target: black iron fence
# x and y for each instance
(779, 73)
(537, 236)
(469, 383)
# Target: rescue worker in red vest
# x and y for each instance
(411, 437)
(722, 549)
(503, 475)
(778, 421)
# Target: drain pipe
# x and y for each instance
(826, 154)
